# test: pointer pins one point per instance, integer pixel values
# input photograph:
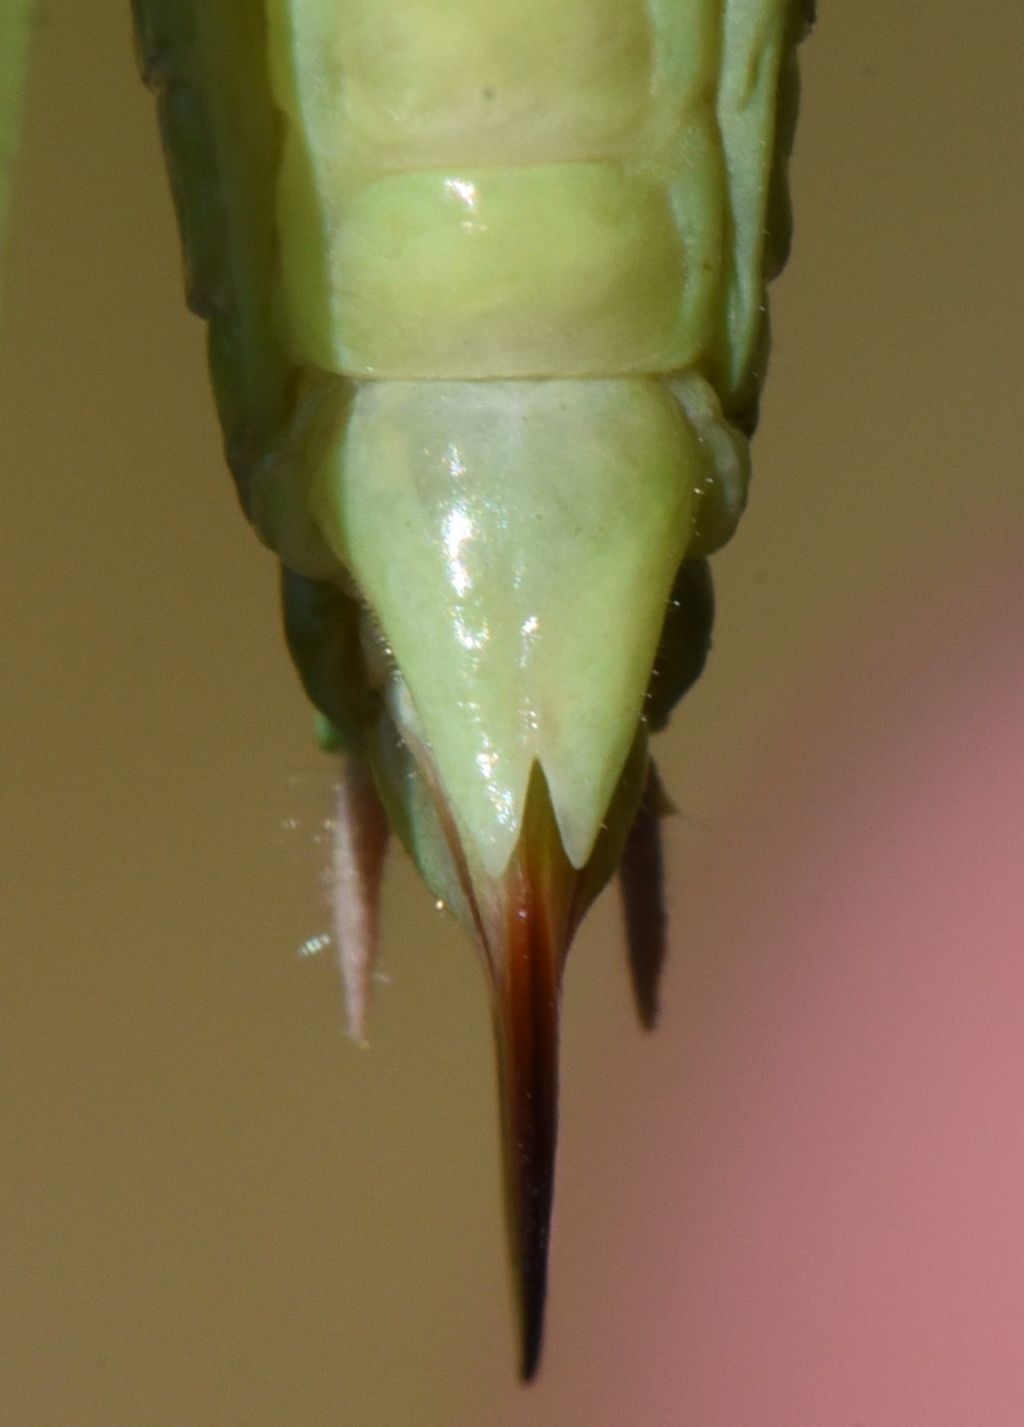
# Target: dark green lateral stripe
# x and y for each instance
(206, 60)
(15, 27)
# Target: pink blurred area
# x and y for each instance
(816, 1217)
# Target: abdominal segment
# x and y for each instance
(481, 192)
(536, 199)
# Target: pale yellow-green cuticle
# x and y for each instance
(658, 116)
(535, 81)
(476, 206)
(527, 239)
(533, 531)
(562, 270)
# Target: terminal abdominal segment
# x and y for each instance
(485, 289)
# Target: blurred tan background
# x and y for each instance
(213, 1209)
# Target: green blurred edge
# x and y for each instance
(15, 28)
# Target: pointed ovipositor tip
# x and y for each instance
(525, 926)
(528, 1056)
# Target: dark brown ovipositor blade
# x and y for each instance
(536, 935)
(527, 1038)
(523, 923)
